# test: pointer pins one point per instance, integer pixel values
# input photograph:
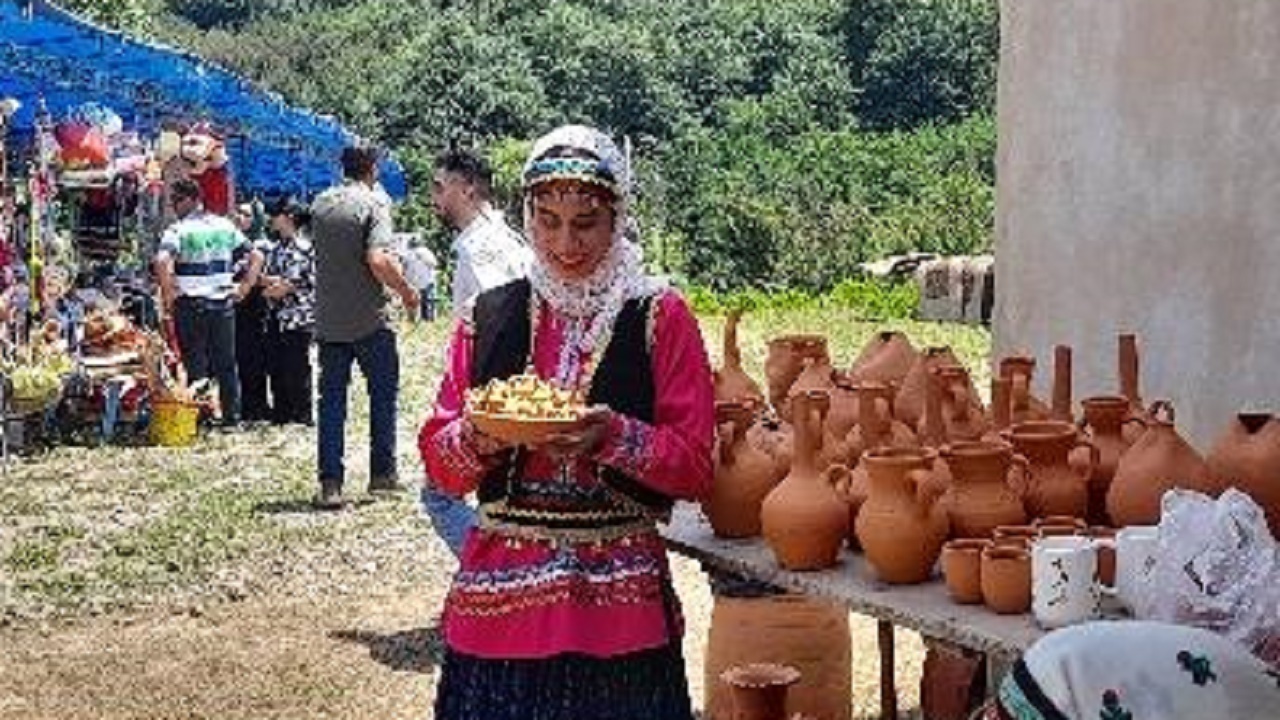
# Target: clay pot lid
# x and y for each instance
(758, 675)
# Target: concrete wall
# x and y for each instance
(1139, 190)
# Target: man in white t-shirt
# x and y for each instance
(488, 254)
(419, 270)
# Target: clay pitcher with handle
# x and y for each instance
(982, 495)
(785, 362)
(1103, 421)
(744, 475)
(733, 384)
(1160, 460)
(908, 405)
(901, 527)
(962, 414)
(876, 428)
(803, 519)
(1053, 486)
(1025, 406)
(1247, 456)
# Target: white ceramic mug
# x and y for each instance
(1136, 548)
(1064, 580)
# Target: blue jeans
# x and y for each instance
(207, 339)
(451, 517)
(380, 365)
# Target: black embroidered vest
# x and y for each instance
(623, 379)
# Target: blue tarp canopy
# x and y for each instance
(46, 52)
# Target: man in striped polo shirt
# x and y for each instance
(194, 269)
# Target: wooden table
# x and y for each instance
(924, 608)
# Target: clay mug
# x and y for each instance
(1065, 589)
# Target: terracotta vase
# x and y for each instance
(744, 475)
(808, 634)
(876, 428)
(1053, 486)
(1103, 422)
(962, 414)
(1160, 460)
(1024, 406)
(732, 383)
(803, 519)
(785, 362)
(1006, 579)
(908, 405)
(962, 569)
(1127, 363)
(901, 527)
(981, 497)
(760, 690)
(886, 358)
(818, 374)
(1247, 456)
(1060, 407)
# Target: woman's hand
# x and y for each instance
(585, 439)
(485, 445)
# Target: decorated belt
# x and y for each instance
(572, 526)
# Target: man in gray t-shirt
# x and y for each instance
(355, 264)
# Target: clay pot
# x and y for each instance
(1053, 486)
(733, 384)
(901, 527)
(775, 439)
(1106, 554)
(1127, 368)
(980, 497)
(1160, 460)
(744, 475)
(1060, 407)
(962, 414)
(876, 426)
(962, 569)
(760, 690)
(803, 519)
(1024, 406)
(908, 406)
(808, 634)
(1006, 579)
(785, 362)
(1247, 456)
(886, 358)
(1103, 421)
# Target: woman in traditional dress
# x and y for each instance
(563, 607)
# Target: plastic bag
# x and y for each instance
(1217, 568)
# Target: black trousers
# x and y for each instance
(289, 371)
(207, 338)
(251, 357)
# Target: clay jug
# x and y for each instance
(785, 362)
(760, 690)
(1127, 368)
(773, 437)
(1103, 422)
(981, 497)
(1053, 486)
(887, 358)
(1024, 406)
(908, 406)
(803, 519)
(962, 414)
(843, 414)
(833, 449)
(1001, 387)
(732, 382)
(1247, 456)
(817, 375)
(901, 527)
(1060, 409)
(875, 429)
(1160, 460)
(744, 475)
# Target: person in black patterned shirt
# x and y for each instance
(290, 291)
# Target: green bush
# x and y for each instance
(870, 299)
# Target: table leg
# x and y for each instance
(888, 688)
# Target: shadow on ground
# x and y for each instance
(418, 650)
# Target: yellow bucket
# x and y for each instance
(173, 424)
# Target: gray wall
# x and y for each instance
(1139, 190)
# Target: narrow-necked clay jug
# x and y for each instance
(901, 527)
(744, 475)
(876, 425)
(1103, 421)
(1127, 367)
(843, 414)
(1247, 456)
(962, 414)
(1053, 486)
(981, 497)
(773, 437)
(886, 358)
(1160, 460)
(1001, 418)
(908, 404)
(817, 375)
(803, 519)
(733, 384)
(785, 362)
(1025, 406)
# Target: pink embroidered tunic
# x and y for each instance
(515, 597)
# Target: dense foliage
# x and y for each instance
(778, 144)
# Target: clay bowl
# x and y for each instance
(1006, 579)
(519, 430)
(961, 566)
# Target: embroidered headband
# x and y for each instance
(598, 173)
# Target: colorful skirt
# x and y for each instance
(644, 685)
